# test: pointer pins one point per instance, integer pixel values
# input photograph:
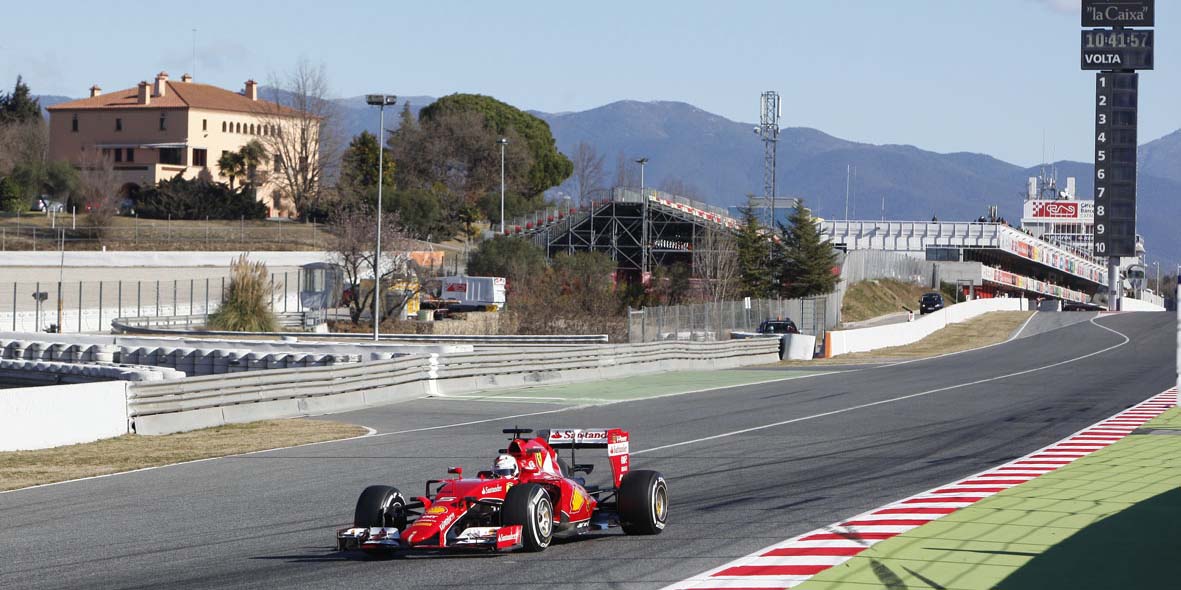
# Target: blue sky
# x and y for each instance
(947, 75)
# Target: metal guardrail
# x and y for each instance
(433, 372)
(150, 325)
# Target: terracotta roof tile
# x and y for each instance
(179, 95)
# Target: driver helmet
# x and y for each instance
(504, 466)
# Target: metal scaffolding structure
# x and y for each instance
(615, 225)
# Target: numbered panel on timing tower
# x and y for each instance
(1115, 163)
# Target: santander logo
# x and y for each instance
(1056, 210)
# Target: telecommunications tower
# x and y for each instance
(769, 114)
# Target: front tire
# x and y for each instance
(643, 502)
(380, 506)
(529, 505)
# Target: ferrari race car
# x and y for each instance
(545, 499)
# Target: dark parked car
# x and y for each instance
(930, 302)
(784, 326)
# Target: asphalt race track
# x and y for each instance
(266, 520)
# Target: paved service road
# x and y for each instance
(770, 461)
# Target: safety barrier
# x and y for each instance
(877, 337)
(55, 415)
(199, 402)
(150, 326)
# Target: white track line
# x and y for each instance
(891, 400)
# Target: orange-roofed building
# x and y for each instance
(158, 130)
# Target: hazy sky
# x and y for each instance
(947, 75)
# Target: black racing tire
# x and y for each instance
(529, 505)
(643, 502)
(380, 506)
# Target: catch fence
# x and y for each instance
(715, 321)
(89, 306)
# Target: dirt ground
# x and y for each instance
(20, 469)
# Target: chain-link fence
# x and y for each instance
(715, 321)
(31, 233)
(89, 306)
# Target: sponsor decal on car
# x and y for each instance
(437, 510)
(508, 536)
(617, 448)
(577, 499)
(491, 489)
(445, 499)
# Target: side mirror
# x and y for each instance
(456, 470)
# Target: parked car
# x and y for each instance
(49, 206)
(781, 326)
(930, 302)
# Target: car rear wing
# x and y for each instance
(615, 440)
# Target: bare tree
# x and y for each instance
(100, 186)
(715, 265)
(23, 144)
(589, 172)
(300, 132)
(627, 172)
(679, 187)
(354, 237)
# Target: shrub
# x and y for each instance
(245, 306)
(178, 198)
(10, 198)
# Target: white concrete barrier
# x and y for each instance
(866, 339)
(1129, 304)
(55, 415)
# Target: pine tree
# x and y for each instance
(19, 107)
(755, 275)
(805, 261)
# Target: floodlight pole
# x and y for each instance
(644, 222)
(503, 142)
(380, 101)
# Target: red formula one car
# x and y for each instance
(534, 499)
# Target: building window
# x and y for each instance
(118, 124)
(170, 156)
(223, 126)
(130, 155)
(118, 154)
(163, 121)
(204, 124)
(278, 162)
(199, 157)
(74, 124)
(237, 127)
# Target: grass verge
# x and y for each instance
(866, 300)
(19, 469)
(1108, 520)
(983, 330)
(990, 328)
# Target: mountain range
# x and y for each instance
(720, 161)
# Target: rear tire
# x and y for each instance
(643, 502)
(380, 506)
(529, 505)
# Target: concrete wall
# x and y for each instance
(866, 339)
(50, 416)
(1129, 304)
